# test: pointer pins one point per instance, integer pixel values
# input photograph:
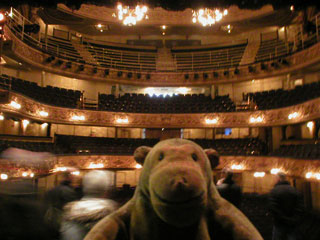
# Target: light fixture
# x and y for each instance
(96, 165)
(259, 174)
(32, 175)
(312, 175)
(3, 176)
(122, 120)
(76, 173)
(310, 125)
(207, 16)
(237, 167)
(258, 119)
(25, 123)
(99, 25)
(1, 117)
(24, 174)
(211, 120)
(43, 114)
(275, 171)
(164, 27)
(60, 169)
(15, 105)
(1, 17)
(78, 118)
(130, 17)
(293, 115)
(138, 166)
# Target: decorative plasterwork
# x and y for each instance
(297, 61)
(31, 109)
(293, 167)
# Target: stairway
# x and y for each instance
(84, 53)
(165, 61)
(250, 53)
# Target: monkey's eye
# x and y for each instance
(194, 157)
(161, 156)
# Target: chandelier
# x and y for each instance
(131, 16)
(207, 17)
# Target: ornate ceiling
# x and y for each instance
(177, 5)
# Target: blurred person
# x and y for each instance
(286, 208)
(57, 198)
(80, 216)
(229, 190)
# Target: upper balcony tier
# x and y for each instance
(124, 64)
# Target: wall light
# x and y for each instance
(25, 123)
(76, 173)
(138, 166)
(122, 120)
(259, 174)
(15, 105)
(310, 125)
(43, 114)
(3, 176)
(96, 165)
(312, 175)
(44, 125)
(256, 119)
(1, 117)
(211, 120)
(78, 118)
(24, 174)
(237, 167)
(293, 115)
(275, 171)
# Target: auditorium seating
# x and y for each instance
(301, 151)
(67, 144)
(282, 98)
(208, 58)
(271, 49)
(139, 103)
(61, 48)
(135, 59)
(50, 95)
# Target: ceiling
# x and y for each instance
(172, 5)
(84, 21)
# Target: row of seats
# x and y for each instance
(208, 58)
(66, 144)
(301, 151)
(271, 49)
(282, 98)
(123, 58)
(50, 95)
(139, 103)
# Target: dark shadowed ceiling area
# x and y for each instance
(172, 5)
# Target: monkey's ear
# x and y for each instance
(213, 156)
(140, 154)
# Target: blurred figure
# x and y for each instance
(229, 190)
(286, 207)
(21, 214)
(80, 216)
(57, 198)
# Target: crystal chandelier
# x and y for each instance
(207, 17)
(129, 16)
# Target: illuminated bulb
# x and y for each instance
(99, 25)
(94, 165)
(163, 33)
(101, 30)
(44, 125)
(15, 105)
(122, 120)
(24, 174)
(25, 122)
(194, 20)
(237, 167)
(144, 9)
(1, 117)
(77, 173)
(275, 171)
(3, 176)
(310, 125)
(211, 121)
(119, 6)
(1, 17)
(225, 12)
(60, 169)
(292, 8)
(309, 175)
(293, 115)
(31, 174)
(229, 31)
(228, 26)
(78, 118)
(259, 174)
(164, 27)
(317, 176)
(138, 166)
(44, 114)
